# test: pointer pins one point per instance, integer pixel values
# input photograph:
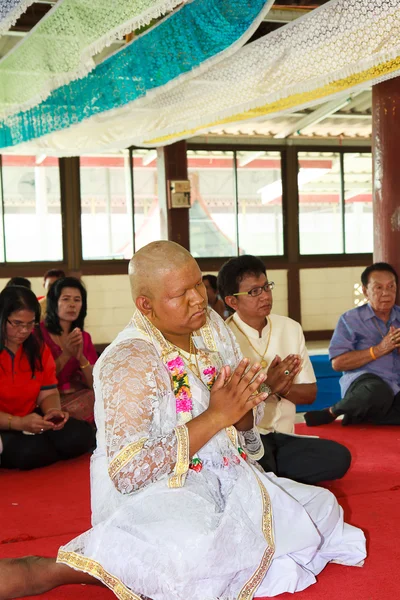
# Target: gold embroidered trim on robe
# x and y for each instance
(233, 435)
(250, 587)
(177, 479)
(145, 326)
(92, 567)
(124, 456)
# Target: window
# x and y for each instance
(236, 203)
(358, 202)
(320, 206)
(31, 209)
(259, 185)
(335, 202)
(106, 206)
(213, 216)
(145, 194)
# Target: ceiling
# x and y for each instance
(348, 120)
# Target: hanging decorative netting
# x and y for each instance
(344, 45)
(10, 11)
(196, 35)
(60, 48)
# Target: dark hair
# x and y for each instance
(21, 281)
(59, 273)
(14, 298)
(52, 320)
(212, 280)
(235, 270)
(379, 266)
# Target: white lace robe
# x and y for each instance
(168, 533)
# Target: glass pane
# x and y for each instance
(213, 212)
(358, 202)
(106, 206)
(32, 208)
(145, 194)
(320, 216)
(260, 203)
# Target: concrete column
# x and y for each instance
(386, 171)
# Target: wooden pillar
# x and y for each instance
(291, 231)
(386, 172)
(71, 210)
(172, 165)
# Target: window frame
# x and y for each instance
(342, 151)
(36, 268)
(93, 266)
(71, 215)
(215, 263)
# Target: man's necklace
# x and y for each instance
(190, 360)
(375, 320)
(263, 362)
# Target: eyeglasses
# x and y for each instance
(21, 326)
(257, 291)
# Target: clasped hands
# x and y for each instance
(74, 343)
(390, 342)
(233, 395)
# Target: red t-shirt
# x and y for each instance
(18, 390)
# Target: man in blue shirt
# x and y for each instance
(365, 346)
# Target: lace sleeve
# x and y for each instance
(142, 442)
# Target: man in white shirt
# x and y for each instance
(267, 338)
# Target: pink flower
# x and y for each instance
(210, 371)
(184, 404)
(176, 365)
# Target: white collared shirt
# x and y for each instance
(286, 338)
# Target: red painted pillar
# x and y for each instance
(386, 171)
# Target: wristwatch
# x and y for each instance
(266, 389)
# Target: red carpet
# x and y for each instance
(42, 509)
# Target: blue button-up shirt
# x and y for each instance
(359, 329)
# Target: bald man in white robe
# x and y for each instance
(180, 508)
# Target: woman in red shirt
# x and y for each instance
(71, 346)
(34, 431)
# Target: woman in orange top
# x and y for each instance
(34, 431)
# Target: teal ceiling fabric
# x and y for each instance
(61, 47)
(10, 11)
(194, 37)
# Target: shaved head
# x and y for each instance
(168, 289)
(151, 263)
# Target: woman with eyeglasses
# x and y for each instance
(71, 346)
(34, 430)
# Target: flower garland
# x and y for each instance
(184, 403)
(183, 395)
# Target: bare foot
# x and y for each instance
(32, 575)
(26, 576)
